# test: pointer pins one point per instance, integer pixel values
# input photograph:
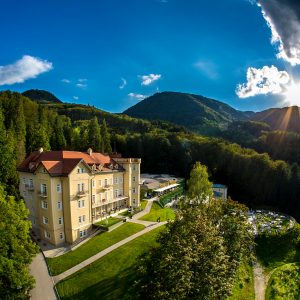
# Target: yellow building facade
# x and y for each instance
(67, 191)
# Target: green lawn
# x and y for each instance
(243, 288)
(111, 276)
(284, 283)
(275, 250)
(96, 244)
(110, 221)
(143, 204)
(157, 211)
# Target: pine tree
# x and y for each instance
(94, 135)
(106, 146)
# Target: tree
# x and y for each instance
(16, 247)
(199, 253)
(94, 136)
(199, 186)
(106, 147)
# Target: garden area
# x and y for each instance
(96, 244)
(158, 212)
(279, 254)
(111, 276)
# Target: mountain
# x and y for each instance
(286, 118)
(41, 96)
(197, 113)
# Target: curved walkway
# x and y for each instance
(260, 281)
(92, 259)
(44, 286)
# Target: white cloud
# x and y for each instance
(283, 18)
(124, 83)
(75, 97)
(82, 80)
(81, 85)
(148, 79)
(66, 80)
(268, 80)
(137, 96)
(208, 68)
(25, 68)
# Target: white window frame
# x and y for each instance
(61, 236)
(60, 221)
(47, 234)
(133, 178)
(44, 204)
(133, 190)
(45, 220)
(58, 187)
(44, 188)
(59, 205)
(80, 219)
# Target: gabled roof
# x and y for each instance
(62, 163)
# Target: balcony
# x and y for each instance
(81, 194)
(29, 187)
(107, 187)
(43, 194)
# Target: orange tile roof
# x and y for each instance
(61, 163)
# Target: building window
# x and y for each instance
(105, 182)
(133, 201)
(116, 193)
(61, 236)
(99, 182)
(81, 203)
(60, 220)
(58, 188)
(93, 183)
(133, 178)
(116, 180)
(80, 187)
(81, 219)
(133, 190)
(80, 170)
(30, 182)
(47, 234)
(44, 188)
(59, 205)
(45, 220)
(82, 233)
(45, 204)
(134, 168)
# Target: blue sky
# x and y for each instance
(111, 54)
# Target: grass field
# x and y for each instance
(96, 244)
(244, 284)
(284, 283)
(157, 211)
(109, 277)
(143, 204)
(275, 250)
(110, 221)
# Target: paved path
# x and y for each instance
(104, 252)
(144, 211)
(259, 282)
(44, 284)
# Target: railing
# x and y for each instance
(43, 194)
(29, 187)
(81, 193)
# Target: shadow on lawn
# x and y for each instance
(113, 288)
(277, 249)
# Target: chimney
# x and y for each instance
(90, 151)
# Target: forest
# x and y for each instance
(253, 178)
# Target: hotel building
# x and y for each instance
(67, 191)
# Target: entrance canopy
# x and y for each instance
(165, 188)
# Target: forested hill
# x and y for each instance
(197, 113)
(41, 96)
(252, 178)
(286, 118)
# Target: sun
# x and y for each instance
(292, 94)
